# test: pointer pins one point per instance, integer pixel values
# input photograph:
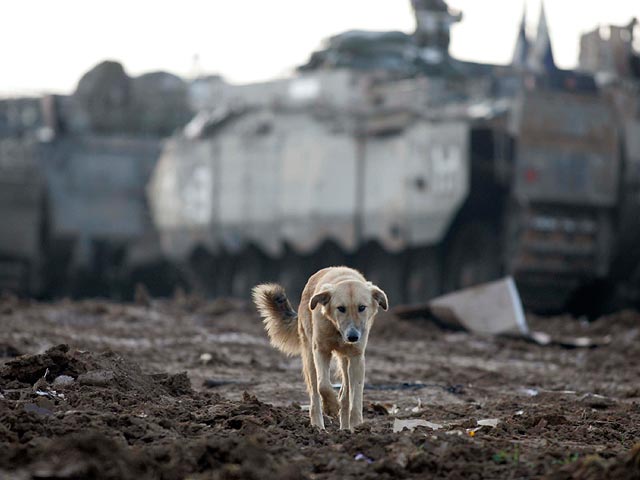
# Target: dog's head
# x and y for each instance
(350, 305)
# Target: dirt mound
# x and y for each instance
(104, 370)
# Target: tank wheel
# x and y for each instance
(387, 270)
(473, 257)
(423, 275)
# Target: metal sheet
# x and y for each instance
(318, 186)
(96, 185)
(415, 183)
(567, 149)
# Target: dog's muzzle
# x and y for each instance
(353, 335)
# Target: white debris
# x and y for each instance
(400, 425)
(489, 422)
(206, 358)
(531, 392)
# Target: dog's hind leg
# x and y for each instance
(344, 392)
(310, 377)
(356, 386)
(323, 369)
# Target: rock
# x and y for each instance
(594, 400)
(97, 378)
(63, 381)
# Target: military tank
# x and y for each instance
(422, 198)
(384, 153)
(73, 172)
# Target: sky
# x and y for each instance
(46, 46)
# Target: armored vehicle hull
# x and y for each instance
(423, 200)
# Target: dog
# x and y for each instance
(336, 311)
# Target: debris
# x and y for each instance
(489, 422)
(418, 407)
(50, 394)
(492, 308)
(531, 392)
(400, 425)
(206, 358)
(545, 339)
(361, 456)
(484, 424)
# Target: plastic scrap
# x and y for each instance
(400, 425)
(486, 423)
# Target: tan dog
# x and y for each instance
(336, 312)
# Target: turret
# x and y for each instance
(433, 26)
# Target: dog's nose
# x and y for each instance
(353, 335)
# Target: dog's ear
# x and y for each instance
(380, 297)
(322, 296)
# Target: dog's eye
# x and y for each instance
(341, 309)
(361, 308)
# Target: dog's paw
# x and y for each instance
(330, 405)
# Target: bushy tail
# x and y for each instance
(279, 317)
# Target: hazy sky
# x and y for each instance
(47, 45)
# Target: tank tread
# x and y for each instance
(565, 244)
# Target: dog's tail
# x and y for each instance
(279, 317)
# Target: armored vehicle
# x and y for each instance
(385, 153)
(73, 171)
(22, 210)
(423, 195)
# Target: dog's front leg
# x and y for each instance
(356, 386)
(323, 367)
(309, 369)
(344, 393)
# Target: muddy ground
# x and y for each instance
(116, 403)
